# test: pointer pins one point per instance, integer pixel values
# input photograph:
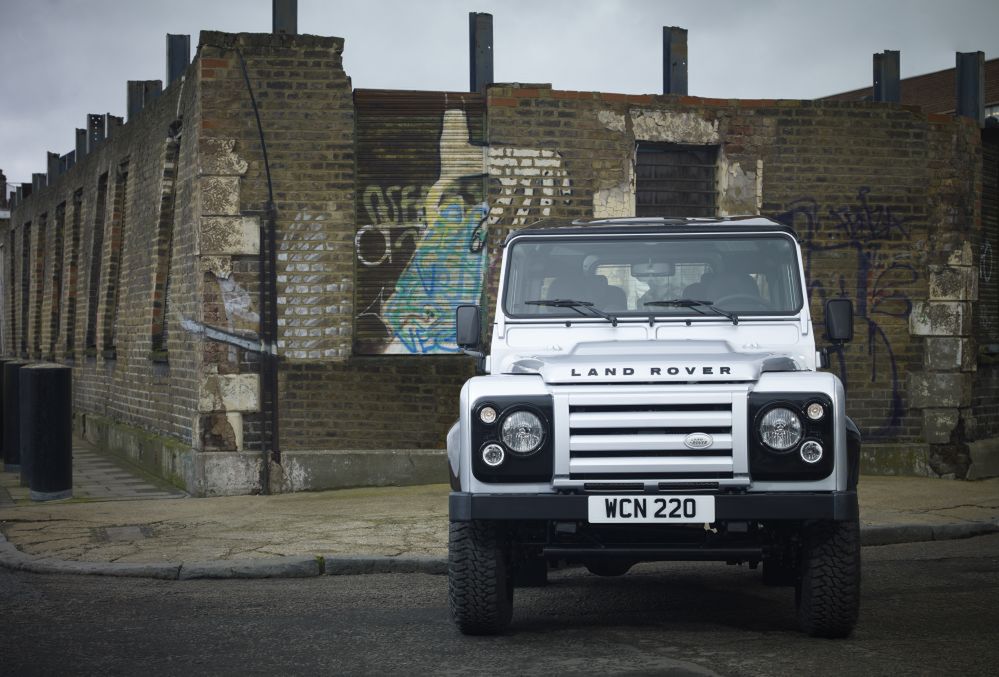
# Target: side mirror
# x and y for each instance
(468, 327)
(839, 320)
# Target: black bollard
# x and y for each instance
(11, 416)
(47, 430)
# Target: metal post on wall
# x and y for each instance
(887, 77)
(971, 86)
(674, 60)
(178, 56)
(285, 16)
(480, 50)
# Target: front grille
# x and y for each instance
(619, 435)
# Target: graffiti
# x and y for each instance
(986, 264)
(393, 204)
(882, 282)
(420, 248)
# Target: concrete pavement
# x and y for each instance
(123, 523)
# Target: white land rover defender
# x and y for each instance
(652, 394)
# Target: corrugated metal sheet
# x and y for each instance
(420, 204)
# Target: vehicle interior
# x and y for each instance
(624, 275)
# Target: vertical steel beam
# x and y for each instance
(674, 60)
(178, 56)
(971, 86)
(81, 143)
(112, 123)
(52, 165)
(134, 98)
(95, 131)
(480, 51)
(887, 77)
(285, 16)
(141, 93)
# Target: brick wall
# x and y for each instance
(93, 263)
(149, 283)
(884, 198)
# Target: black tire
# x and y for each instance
(480, 592)
(828, 592)
(609, 567)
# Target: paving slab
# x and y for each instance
(386, 529)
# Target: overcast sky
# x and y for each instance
(62, 59)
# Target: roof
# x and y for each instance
(651, 226)
(934, 92)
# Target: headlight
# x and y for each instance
(780, 429)
(522, 432)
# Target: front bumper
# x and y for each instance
(837, 506)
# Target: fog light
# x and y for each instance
(811, 452)
(487, 415)
(493, 455)
(815, 411)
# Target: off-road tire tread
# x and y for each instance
(480, 592)
(828, 593)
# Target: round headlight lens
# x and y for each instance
(780, 429)
(811, 452)
(493, 455)
(487, 415)
(815, 411)
(522, 432)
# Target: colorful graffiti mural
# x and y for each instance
(420, 248)
(883, 281)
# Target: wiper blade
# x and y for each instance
(578, 306)
(696, 305)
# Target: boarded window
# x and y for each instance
(164, 246)
(421, 208)
(116, 241)
(25, 285)
(676, 180)
(55, 291)
(72, 273)
(96, 258)
(38, 275)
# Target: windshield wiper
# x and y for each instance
(578, 306)
(696, 305)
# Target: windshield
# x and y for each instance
(746, 275)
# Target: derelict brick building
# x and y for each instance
(235, 348)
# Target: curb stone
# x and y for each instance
(348, 565)
(299, 566)
(306, 566)
(913, 533)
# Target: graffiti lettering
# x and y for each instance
(883, 281)
(393, 204)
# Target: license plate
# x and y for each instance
(651, 509)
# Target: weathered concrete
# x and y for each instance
(984, 459)
(943, 390)
(362, 468)
(940, 318)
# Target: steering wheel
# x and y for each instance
(742, 300)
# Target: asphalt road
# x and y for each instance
(928, 609)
